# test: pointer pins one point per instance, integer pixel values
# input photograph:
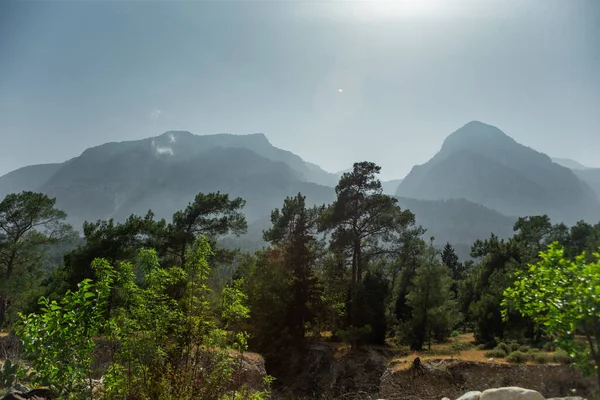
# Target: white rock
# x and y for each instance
(445, 398)
(472, 395)
(510, 393)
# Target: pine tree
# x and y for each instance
(363, 222)
(431, 300)
(293, 231)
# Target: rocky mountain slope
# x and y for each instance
(27, 178)
(486, 177)
(480, 163)
(164, 173)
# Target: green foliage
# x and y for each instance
(29, 225)
(458, 346)
(518, 357)
(363, 224)
(434, 311)
(58, 340)
(165, 346)
(267, 285)
(562, 357)
(562, 296)
(542, 358)
(293, 232)
(496, 353)
(8, 374)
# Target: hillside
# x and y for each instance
(482, 164)
(591, 176)
(571, 164)
(164, 173)
(458, 221)
(27, 178)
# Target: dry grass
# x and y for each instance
(445, 351)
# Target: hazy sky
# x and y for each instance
(80, 73)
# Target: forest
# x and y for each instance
(178, 311)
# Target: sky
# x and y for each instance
(332, 81)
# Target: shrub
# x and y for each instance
(504, 347)
(561, 357)
(513, 346)
(549, 347)
(461, 346)
(542, 358)
(524, 348)
(534, 350)
(518, 357)
(485, 346)
(496, 353)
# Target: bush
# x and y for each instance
(461, 346)
(534, 350)
(496, 353)
(518, 357)
(549, 347)
(513, 346)
(524, 348)
(504, 347)
(542, 358)
(485, 346)
(561, 357)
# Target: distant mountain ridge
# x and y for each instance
(571, 164)
(478, 183)
(482, 164)
(163, 173)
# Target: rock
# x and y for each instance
(472, 395)
(19, 388)
(566, 398)
(445, 398)
(35, 394)
(510, 393)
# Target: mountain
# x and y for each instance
(591, 176)
(457, 221)
(390, 187)
(571, 164)
(480, 163)
(27, 178)
(164, 173)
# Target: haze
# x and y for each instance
(332, 81)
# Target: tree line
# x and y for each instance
(359, 270)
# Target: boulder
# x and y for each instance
(566, 398)
(510, 393)
(472, 395)
(35, 394)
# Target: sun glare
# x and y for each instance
(400, 8)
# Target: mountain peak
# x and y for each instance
(476, 133)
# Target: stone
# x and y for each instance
(566, 398)
(510, 393)
(472, 395)
(35, 394)
(445, 398)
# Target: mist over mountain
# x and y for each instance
(571, 164)
(164, 173)
(478, 182)
(482, 164)
(591, 176)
